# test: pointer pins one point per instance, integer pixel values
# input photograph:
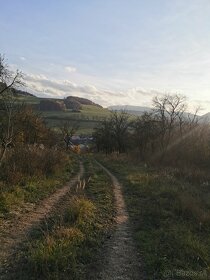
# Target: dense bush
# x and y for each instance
(31, 161)
(72, 104)
(51, 105)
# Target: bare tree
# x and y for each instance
(8, 110)
(68, 129)
(169, 111)
(8, 78)
(112, 134)
(146, 133)
(103, 136)
(120, 124)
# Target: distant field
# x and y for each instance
(29, 99)
(88, 112)
(88, 118)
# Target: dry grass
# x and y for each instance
(67, 245)
(170, 215)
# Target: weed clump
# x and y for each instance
(82, 213)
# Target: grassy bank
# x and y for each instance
(170, 217)
(67, 246)
(24, 191)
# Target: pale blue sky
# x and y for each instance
(113, 51)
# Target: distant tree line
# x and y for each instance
(167, 134)
(51, 105)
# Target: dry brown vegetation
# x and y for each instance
(167, 136)
(165, 173)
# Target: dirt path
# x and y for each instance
(121, 260)
(13, 233)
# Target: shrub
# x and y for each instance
(31, 161)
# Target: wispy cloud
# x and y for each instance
(70, 69)
(44, 86)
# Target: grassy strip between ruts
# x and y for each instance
(15, 199)
(171, 219)
(68, 244)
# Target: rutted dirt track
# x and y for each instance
(13, 233)
(121, 261)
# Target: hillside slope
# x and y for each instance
(71, 109)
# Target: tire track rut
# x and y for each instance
(121, 261)
(14, 233)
